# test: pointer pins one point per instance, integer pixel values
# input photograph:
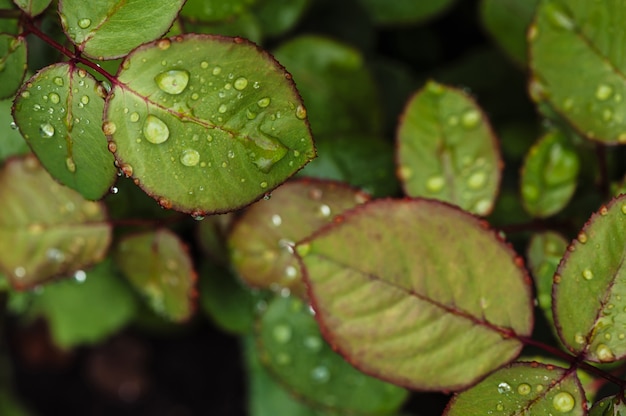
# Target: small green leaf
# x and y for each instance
(46, 230)
(215, 10)
(206, 124)
(404, 11)
(57, 112)
(589, 293)
(159, 266)
(12, 64)
(362, 161)
(109, 29)
(262, 240)
(544, 254)
(278, 16)
(609, 406)
(522, 389)
(438, 323)
(11, 143)
(295, 353)
(336, 86)
(32, 7)
(507, 22)
(549, 175)
(87, 308)
(447, 151)
(8, 25)
(587, 36)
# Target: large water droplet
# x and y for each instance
(300, 112)
(155, 130)
(172, 82)
(563, 402)
(240, 83)
(84, 99)
(54, 97)
(46, 130)
(109, 127)
(470, 119)
(80, 276)
(435, 183)
(587, 274)
(276, 220)
(190, 157)
(504, 387)
(477, 180)
(84, 23)
(604, 92)
(325, 210)
(604, 353)
(58, 81)
(320, 374)
(263, 150)
(524, 389)
(264, 102)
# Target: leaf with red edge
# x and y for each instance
(46, 229)
(413, 291)
(158, 265)
(589, 290)
(262, 240)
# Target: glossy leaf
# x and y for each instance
(434, 324)
(87, 308)
(293, 350)
(46, 230)
(58, 112)
(11, 142)
(215, 10)
(12, 64)
(544, 254)
(587, 36)
(362, 161)
(549, 175)
(522, 389)
(158, 265)
(609, 406)
(206, 124)
(507, 21)
(8, 26)
(262, 240)
(335, 85)
(447, 150)
(32, 7)
(404, 11)
(100, 29)
(589, 293)
(278, 16)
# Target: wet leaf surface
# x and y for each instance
(447, 151)
(609, 406)
(58, 112)
(436, 324)
(12, 64)
(589, 292)
(46, 229)
(33, 7)
(522, 389)
(206, 124)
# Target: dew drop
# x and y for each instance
(579, 338)
(46, 130)
(558, 17)
(190, 157)
(582, 237)
(320, 374)
(80, 276)
(19, 272)
(240, 83)
(325, 210)
(54, 97)
(291, 272)
(499, 407)
(155, 130)
(587, 274)
(276, 220)
(216, 70)
(172, 82)
(300, 112)
(222, 109)
(263, 185)
(70, 164)
(563, 402)
(477, 180)
(134, 117)
(114, 189)
(313, 343)
(84, 99)
(164, 44)
(504, 388)
(435, 183)
(109, 127)
(58, 81)
(25, 94)
(524, 389)
(264, 102)
(204, 64)
(470, 119)
(282, 333)
(84, 23)
(604, 92)
(604, 353)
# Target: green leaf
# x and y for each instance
(11, 142)
(206, 124)
(549, 175)
(507, 22)
(278, 16)
(245, 25)
(587, 36)
(57, 112)
(434, 324)
(294, 352)
(589, 293)
(262, 240)
(109, 29)
(336, 86)
(158, 265)
(609, 406)
(522, 389)
(544, 254)
(7, 25)
(46, 230)
(33, 7)
(447, 151)
(88, 308)
(362, 161)
(215, 10)
(12, 64)
(404, 11)
(9, 406)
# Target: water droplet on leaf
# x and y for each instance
(470, 119)
(190, 157)
(263, 150)
(84, 99)
(300, 112)
(282, 333)
(524, 389)
(504, 388)
(587, 274)
(46, 130)
(58, 81)
(155, 130)
(264, 102)
(70, 164)
(320, 374)
(604, 92)
(435, 183)
(84, 23)
(109, 127)
(604, 353)
(172, 82)
(54, 97)
(240, 83)
(276, 220)
(558, 16)
(216, 70)
(563, 402)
